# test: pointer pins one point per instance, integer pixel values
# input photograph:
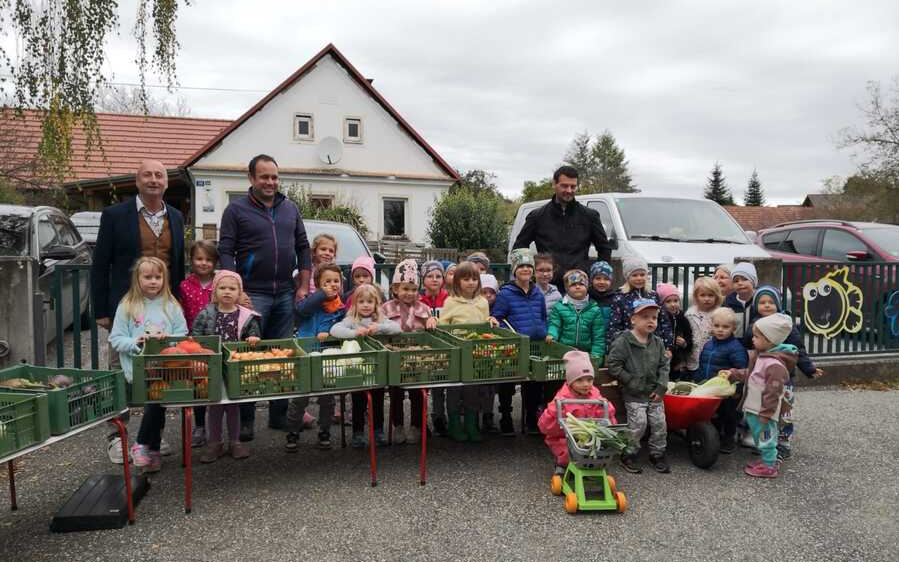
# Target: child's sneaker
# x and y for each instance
(155, 462)
(114, 450)
(213, 452)
(506, 427)
(140, 454)
(324, 440)
(728, 446)
(660, 464)
(358, 441)
(629, 463)
(761, 470)
(753, 464)
(399, 435)
(784, 453)
(198, 437)
(293, 442)
(239, 450)
(412, 434)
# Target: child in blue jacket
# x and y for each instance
(317, 315)
(721, 353)
(521, 304)
(767, 301)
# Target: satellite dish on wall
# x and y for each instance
(330, 150)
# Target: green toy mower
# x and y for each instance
(585, 483)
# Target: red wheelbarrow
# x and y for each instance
(690, 417)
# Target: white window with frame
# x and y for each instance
(303, 127)
(394, 213)
(321, 201)
(352, 130)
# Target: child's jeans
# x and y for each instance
(151, 426)
(651, 414)
(325, 414)
(764, 436)
(360, 407)
(214, 427)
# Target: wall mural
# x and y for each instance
(892, 313)
(832, 304)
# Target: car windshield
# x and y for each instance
(349, 245)
(886, 238)
(13, 235)
(678, 220)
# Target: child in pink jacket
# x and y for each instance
(578, 386)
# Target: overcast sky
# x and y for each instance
(504, 86)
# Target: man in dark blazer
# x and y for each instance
(143, 226)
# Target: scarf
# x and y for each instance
(333, 305)
(784, 348)
(578, 304)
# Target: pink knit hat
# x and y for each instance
(364, 262)
(577, 365)
(225, 274)
(666, 290)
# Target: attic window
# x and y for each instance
(302, 127)
(352, 130)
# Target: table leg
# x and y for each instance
(371, 440)
(123, 435)
(187, 414)
(423, 466)
(12, 485)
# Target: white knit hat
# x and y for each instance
(776, 328)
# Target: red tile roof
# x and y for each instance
(364, 83)
(127, 139)
(757, 218)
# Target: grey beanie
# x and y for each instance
(631, 264)
(746, 270)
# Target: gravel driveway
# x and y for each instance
(836, 500)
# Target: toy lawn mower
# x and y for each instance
(585, 484)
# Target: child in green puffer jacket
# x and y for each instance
(578, 321)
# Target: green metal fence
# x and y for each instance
(822, 302)
(72, 274)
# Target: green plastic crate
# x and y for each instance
(437, 365)
(346, 371)
(93, 394)
(24, 421)
(177, 379)
(547, 363)
(495, 359)
(266, 377)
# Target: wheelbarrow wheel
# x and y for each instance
(704, 444)
(571, 502)
(612, 484)
(555, 485)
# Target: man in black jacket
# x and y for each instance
(565, 228)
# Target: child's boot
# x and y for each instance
(471, 427)
(215, 450)
(455, 430)
(239, 450)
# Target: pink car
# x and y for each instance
(831, 241)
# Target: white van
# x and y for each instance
(662, 229)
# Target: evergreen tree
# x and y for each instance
(601, 164)
(754, 196)
(716, 188)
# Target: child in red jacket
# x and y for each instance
(578, 386)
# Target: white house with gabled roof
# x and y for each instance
(334, 135)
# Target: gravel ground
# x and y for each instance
(486, 502)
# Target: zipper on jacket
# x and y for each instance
(271, 217)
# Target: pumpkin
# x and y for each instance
(156, 390)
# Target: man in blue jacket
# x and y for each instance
(262, 237)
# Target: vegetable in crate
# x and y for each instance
(594, 436)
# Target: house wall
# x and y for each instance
(380, 167)
(330, 95)
(368, 194)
